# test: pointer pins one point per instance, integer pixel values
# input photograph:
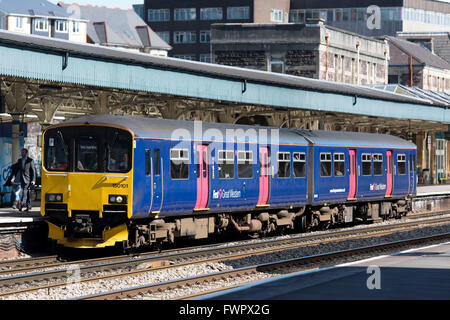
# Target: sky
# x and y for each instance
(123, 4)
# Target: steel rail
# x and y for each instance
(129, 293)
(214, 254)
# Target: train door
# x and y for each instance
(412, 173)
(264, 174)
(157, 164)
(153, 163)
(202, 177)
(389, 173)
(352, 175)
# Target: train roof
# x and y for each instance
(203, 131)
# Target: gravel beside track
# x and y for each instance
(156, 276)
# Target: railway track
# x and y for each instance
(115, 267)
(19, 266)
(284, 266)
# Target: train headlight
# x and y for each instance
(118, 199)
(54, 197)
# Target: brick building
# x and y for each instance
(311, 50)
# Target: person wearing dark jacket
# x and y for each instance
(27, 176)
(16, 186)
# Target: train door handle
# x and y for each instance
(244, 187)
(154, 185)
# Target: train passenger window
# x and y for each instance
(325, 164)
(157, 163)
(339, 165)
(226, 164)
(401, 163)
(147, 162)
(366, 160)
(56, 158)
(87, 154)
(179, 163)
(299, 164)
(245, 164)
(378, 164)
(284, 165)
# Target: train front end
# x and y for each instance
(87, 180)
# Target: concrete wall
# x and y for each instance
(262, 9)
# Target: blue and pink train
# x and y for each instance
(137, 181)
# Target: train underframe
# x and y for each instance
(263, 223)
(85, 226)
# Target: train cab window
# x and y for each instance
(179, 163)
(226, 164)
(339, 165)
(118, 151)
(245, 164)
(87, 154)
(401, 163)
(325, 164)
(56, 157)
(378, 164)
(299, 164)
(284, 165)
(366, 160)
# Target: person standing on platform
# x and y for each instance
(26, 176)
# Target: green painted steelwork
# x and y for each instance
(93, 71)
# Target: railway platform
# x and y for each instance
(433, 190)
(10, 217)
(422, 273)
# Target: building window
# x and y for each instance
(205, 58)
(179, 163)
(378, 164)
(76, 27)
(325, 164)
(165, 35)
(185, 37)
(211, 14)
(41, 24)
(339, 165)
(299, 164)
(238, 13)
(185, 14)
(185, 56)
(245, 164)
(401, 163)
(205, 36)
(276, 15)
(366, 160)
(226, 164)
(61, 26)
(284, 165)
(276, 65)
(19, 22)
(158, 15)
(297, 16)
